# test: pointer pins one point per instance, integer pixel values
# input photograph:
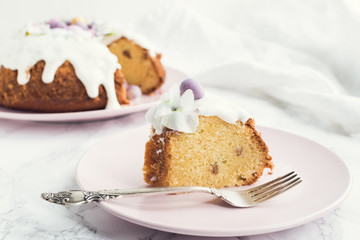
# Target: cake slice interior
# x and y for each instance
(138, 67)
(218, 154)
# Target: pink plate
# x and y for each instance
(117, 163)
(145, 102)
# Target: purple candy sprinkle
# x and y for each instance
(81, 25)
(195, 86)
(57, 24)
(133, 92)
(74, 28)
(52, 21)
(91, 25)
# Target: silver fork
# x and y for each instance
(243, 198)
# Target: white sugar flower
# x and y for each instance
(175, 111)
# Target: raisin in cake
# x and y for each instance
(199, 140)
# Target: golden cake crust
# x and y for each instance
(160, 170)
(65, 93)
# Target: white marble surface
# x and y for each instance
(40, 157)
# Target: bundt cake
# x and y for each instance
(64, 66)
(200, 140)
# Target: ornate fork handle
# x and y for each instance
(58, 198)
(74, 197)
(66, 197)
(97, 196)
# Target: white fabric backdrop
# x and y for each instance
(299, 55)
(275, 63)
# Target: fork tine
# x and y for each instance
(273, 186)
(277, 191)
(254, 189)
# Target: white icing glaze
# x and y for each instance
(211, 105)
(181, 113)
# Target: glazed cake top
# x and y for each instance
(180, 107)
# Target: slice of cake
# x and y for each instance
(201, 140)
(65, 66)
(138, 66)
